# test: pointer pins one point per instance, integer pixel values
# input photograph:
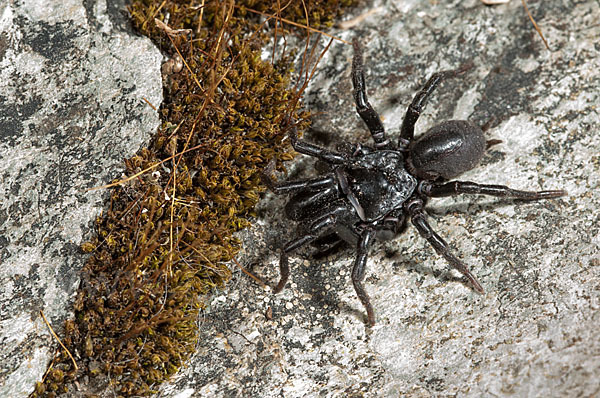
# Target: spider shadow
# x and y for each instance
(321, 273)
(321, 298)
(443, 275)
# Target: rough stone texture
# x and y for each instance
(72, 79)
(534, 332)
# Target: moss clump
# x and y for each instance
(168, 232)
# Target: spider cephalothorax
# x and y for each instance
(369, 192)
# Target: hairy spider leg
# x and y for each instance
(363, 107)
(358, 272)
(407, 131)
(436, 190)
(322, 224)
(419, 220)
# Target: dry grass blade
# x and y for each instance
(249, 273)
(296, 24)
(300, 91)
(59, 342)
(535, 25)
(169, 31)
(357, 20)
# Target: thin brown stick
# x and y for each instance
(173, 196)
(249, 273)
(287, 21)
(48, 370)
(277, 22)
(201, 17)
(535, 25)
(305, 84)
(59, 342)
(151, 106)
(357, 20)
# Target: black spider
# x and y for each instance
(369, 191)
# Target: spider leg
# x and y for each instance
(415, 108)
(322, 224)
(302, 205)
(419, 220)
(459, 187)
(363, 107)
(314, 150)
(313, 184)
(358, 272)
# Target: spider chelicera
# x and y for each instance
(369, 192)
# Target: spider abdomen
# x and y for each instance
(447, 150)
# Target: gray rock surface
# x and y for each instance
(535, 330)
(73, 76)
